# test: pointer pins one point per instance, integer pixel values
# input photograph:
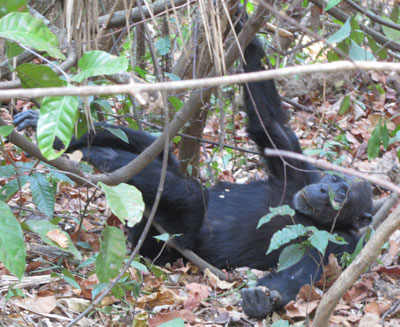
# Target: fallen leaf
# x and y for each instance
(369, 320)
(198, 291)
(373, 307)
(300, 308)
(141, 320)
(160, 318)
(215, 281)
(164, 296)
(58, 237)
(38, 304)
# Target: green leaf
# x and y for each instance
(42, 193)
(374, 142)
(341, 34)
(12, 244)
(163, 45)
(390, 33)
(319, 240)
(172, 77)
(345, 105)
(394, 15)
(125, 201)
(378, 50)
(356, 35)
(13, 49)
(278, 211)
(281, 323)
(290, 255)
(358, 53)
(162, 237)
(7, 6)
(70, 279)
(96, 62)
(59, 176)
(7, 171)
(32, 75)
(286, 235)
(337, 239)
(385, 136)
(118, 133)
(57, 118)
(111, 255)
(139, 266)
(99, 288)
(6, 130)
(31, 32)
(331, 4)
(177, 322)
(9, 189)
(42, 227)
(176, 103)
(104, 104)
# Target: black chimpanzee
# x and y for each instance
(219, 223)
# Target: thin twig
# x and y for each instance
(326, 165)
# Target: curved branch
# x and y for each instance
(348, 277)
(64, 66)
(118, 18)
(327, 165)
(342, 16)
(372, 16)
(383, 211)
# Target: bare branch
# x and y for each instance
(208, 82)
(348, 277)
(326, 165)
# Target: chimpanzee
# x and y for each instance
(219, 223)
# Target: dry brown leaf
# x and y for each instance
(369, 320)
(141, 320)
(300, 308)
(75, 304)
(331, 272)
(160, 318)
(58, 237)
(77, 155)
(344, 320)
(38, 304)
(308, 293)
(373, 307)
(198, 291)
(163, 297)
(216, 282)
(358, 291)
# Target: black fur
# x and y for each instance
(219, 223)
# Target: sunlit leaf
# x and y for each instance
(31, 32)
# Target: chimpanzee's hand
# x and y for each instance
(26, 119)
(259, 302)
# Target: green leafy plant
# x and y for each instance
(310, 237)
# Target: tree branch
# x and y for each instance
(342, 16)
(326, 165)
(209, 82)
(348, 277)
